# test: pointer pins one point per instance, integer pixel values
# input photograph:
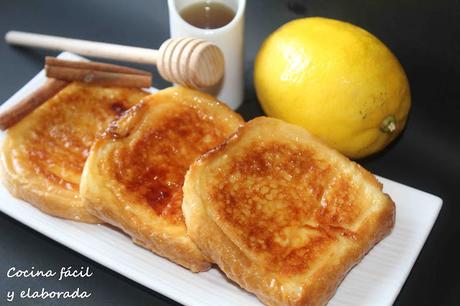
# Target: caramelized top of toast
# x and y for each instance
(283, 200)
(54, 140)
(147, 152)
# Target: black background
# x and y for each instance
(424, 35)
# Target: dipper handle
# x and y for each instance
(83, 47)
(188, 61)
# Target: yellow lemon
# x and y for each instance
(335, 79)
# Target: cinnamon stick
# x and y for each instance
(15, 113)
(53, 61)
(98, 77)
(97, 73)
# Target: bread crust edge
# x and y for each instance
(69, 207)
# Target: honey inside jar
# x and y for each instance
(207, 14)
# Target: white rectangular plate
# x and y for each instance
(376, 280)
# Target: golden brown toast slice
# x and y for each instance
(283, 215)
(134, 174)
(42, 156)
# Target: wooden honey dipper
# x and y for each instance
(191, 62)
